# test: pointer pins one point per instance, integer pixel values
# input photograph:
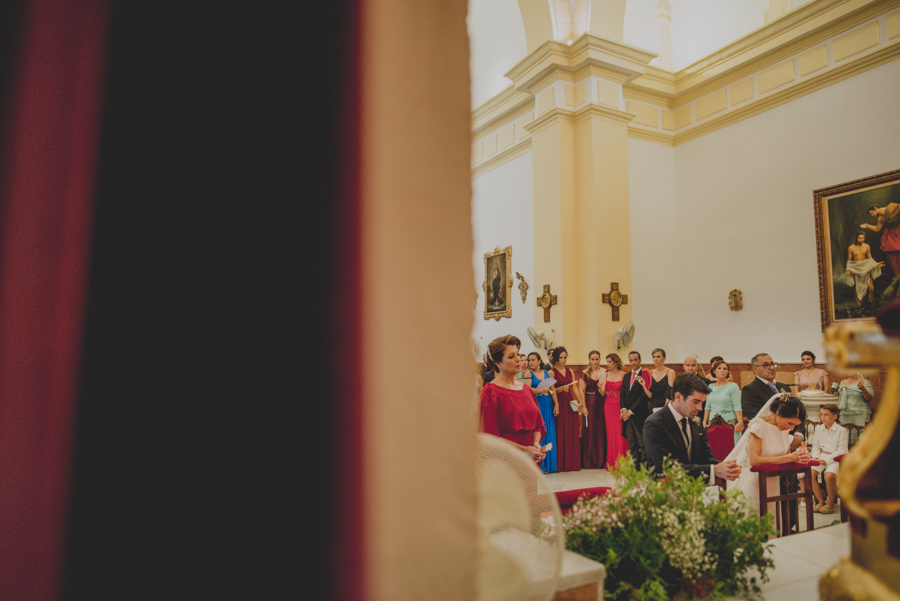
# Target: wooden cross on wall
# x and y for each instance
(546, 300)
(614, 299)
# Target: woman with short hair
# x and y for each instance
(661, 380)
(724, 399)
(508, 408)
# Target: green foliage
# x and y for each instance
(659, 538)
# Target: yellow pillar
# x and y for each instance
(582, 238)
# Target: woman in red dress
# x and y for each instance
(508, 408)
(593, 434)
(611, 387)
(567, 422)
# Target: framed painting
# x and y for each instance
(858, 247)
(498, 283)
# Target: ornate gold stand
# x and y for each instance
(869, 479)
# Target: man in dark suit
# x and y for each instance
(635, 403)
(672, 432)
(755, 394)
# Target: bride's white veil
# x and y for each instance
(739, 453)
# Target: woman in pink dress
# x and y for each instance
(567, 422)
(509, 409)
(611, 386)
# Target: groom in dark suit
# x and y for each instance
(672, 432)
(755, 394)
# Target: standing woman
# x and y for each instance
(593, 435)
(662, 380)
(567, 422)
(611, 387)
(855, 395)
(549, 407)
(810, 375)
(508, 407)
(724, 399)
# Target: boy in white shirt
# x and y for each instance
(829, 441)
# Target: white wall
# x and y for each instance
(496, 44)
(640, 28)
(654, 246)
(700, 27)
(745, 219)
(502, 216)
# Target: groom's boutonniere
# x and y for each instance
(696, 420)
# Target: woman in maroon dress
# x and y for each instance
(611, 387)
(593, 433)
(567, 422)
(508, 408)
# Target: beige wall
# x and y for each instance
(419, 427)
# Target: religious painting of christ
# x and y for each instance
(858, 247)
(497, 283)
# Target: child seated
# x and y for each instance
(829, 441)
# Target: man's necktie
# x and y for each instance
(687, 437)
(773, 387)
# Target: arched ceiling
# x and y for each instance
(503, 32)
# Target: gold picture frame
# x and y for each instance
(840, 213)
(498, 283)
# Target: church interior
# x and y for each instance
(177, 355)
(672, 148)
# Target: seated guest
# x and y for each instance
(829, 441)
(635, 404)
(811, 376)
(769, 441)
(724, 399)
(855, 396)
(755, 394)
(673, 432)
(508, 408)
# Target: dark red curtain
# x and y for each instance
(218, 445)
(179, 302)
(52, 97)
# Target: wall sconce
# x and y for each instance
(735, 300)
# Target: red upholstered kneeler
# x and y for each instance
(568, 498)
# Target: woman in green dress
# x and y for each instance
(724, 399)
(855, 395)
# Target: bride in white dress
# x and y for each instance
(768, 440)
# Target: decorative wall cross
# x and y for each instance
(614, 299)
(546, 300)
